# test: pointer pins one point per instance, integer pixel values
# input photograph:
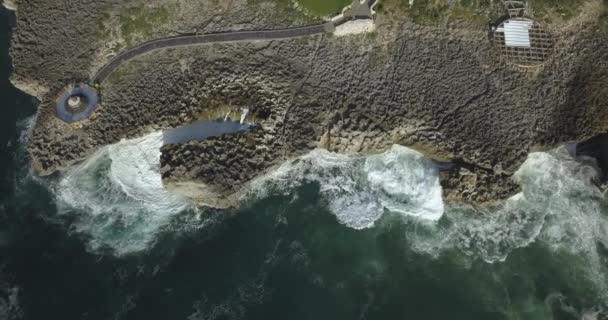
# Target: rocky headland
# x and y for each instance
(442, 89)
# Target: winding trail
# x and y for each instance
(194, 40)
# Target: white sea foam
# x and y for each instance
(405, 182)
(359, 189)
(559, 205)
(24, 172)
(119, 195)
(119, 190)
(10, 307)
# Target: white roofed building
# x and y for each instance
(517, 33)
(523, 42)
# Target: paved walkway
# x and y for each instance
(360, 9)
(194, 40)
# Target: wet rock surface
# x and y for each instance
(595, 148)
(208, 161)
(444, 92)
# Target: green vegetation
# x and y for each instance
(142, 21)
(324, 7)
(427, 11)
(317, 8)
(550, 10)
(432, 12)
(284, 11)
(420, 10)
(464, 14)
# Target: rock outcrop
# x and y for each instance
(445, 92)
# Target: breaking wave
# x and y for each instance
(119, 197)
(358, 189)
(559, 205)
(122, 204)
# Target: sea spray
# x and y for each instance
(405, 182)
(358, 189)
(120, 201)
(559, 209)
(118, 196)
(559, 206)
(24, 176)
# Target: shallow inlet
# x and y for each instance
(201, 130)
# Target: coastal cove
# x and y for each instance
(445, 93)
(306, 244)
(342, 212)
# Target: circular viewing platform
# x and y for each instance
(77, 104)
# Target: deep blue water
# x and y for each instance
(285, 254)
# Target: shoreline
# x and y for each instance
(404, 84)
(10, 5)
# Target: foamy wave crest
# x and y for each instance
(119, 196)
(24, 173)
(559, 206)
(358, 189)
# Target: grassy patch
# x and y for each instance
(428, 11)
(431, 12)
(421, 11)
(550, 10)
(284, 11)
(142, 21)
(471, 16)
(324, 7)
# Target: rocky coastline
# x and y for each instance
(443, 91)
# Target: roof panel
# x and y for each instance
(517, 33)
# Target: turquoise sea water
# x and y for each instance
(324, 237)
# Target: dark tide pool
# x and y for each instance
(202, 129)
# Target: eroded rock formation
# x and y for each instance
(445, 92)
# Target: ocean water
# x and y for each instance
(326, 236)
